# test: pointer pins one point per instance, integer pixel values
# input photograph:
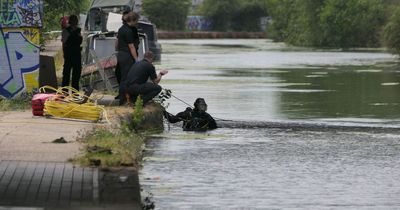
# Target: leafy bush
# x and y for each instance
(237, 15)
(351, 23)
(247, 17)
(392, 31)
(54, 10)
(167, 14)
(304, 28)
(220, 12)
(138, 112)
(327, 23)
(281, 13)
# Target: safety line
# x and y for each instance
(193, 107)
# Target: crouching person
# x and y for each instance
(137, 80)
(196, 119)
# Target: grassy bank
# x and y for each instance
(120, 143)
(107, 146)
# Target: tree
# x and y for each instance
(281, 11)
(327, 23)
(351, 23)
(392, 31)
(247, 16)
(220, 12)
(303, 26)
(167, 14)
(54, 10)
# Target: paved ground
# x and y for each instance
(46, 184)
(35, 174)
(55, 185)
(25, 137)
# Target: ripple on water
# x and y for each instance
(344, 154)
(263, 168)
(390, 83)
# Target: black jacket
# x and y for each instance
(193, 120)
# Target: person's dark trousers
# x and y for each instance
(147, 91)
(118, 73)
(118, 76)
(125, 62)
(72, 61)
(121, 93)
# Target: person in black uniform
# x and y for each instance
(71, 43)
(196, 119)
(127, 46)
(137, 80)
(135, 43)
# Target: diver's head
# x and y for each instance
(200, 105)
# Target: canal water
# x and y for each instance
(300, 128)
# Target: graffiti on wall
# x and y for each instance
(198, 23)
(21, 13)
(19, 60)
(20, 21)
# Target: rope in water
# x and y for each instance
(181, 100)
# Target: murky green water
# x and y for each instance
(279, 167)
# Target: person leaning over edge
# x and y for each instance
(137, 80)
(71, 43)
(127, 53)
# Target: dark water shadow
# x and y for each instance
(218, 45)
(310, 126)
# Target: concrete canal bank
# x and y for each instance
(36, 172)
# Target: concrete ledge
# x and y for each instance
(153, 119)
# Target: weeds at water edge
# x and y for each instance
(119, 146)
(109, 147)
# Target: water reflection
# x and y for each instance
(350, 93)
(268, 81)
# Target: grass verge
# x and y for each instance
(21, 102)
(113, 146)
(105, 146)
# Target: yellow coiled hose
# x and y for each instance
(70, 103)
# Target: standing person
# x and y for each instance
(117, 68)
(137, 80)
(71, 42)
(127, 51)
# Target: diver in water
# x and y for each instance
(196, 119)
